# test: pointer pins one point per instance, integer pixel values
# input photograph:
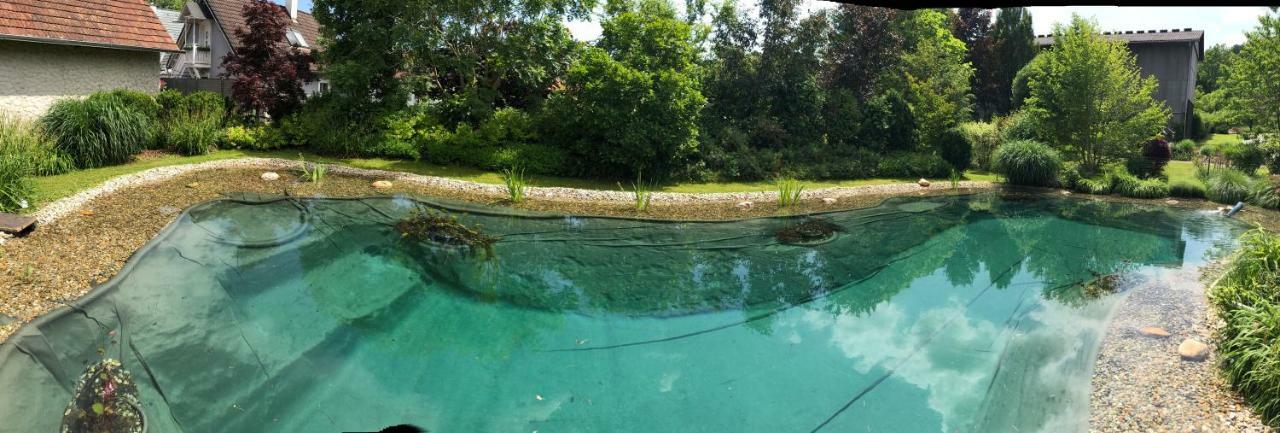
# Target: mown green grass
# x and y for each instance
(50, 188)
(1221, 140)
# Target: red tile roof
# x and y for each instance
(230, 13)
(116, 23)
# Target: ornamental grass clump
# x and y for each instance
(1186, 189)
(641, 193)
(1228, 186)
(1026, 162)
(429, 225)
(98, 131)
(1265, 194)
(1247, 300)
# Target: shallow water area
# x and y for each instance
(960, 313)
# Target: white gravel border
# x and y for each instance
(53, 211)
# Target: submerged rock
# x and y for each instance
(1153, 331)
(1193, 350)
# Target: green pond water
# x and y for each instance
(946, 314)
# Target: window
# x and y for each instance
(296, 39)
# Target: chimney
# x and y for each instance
(293, 10)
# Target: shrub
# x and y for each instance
(1122, 182)
(1155, 155)
(1018, 126)
(1094, 186)
(911, 165)
(1070, 175)
(1246, 157)
(1186, 188)
(261, 137)
(1025, 162)
(954, 148)
(1271, 153)
(1148, 188)
(1184, 150)
(983, 138)
(192, 134)
(141, 102)
(1228, 186)
(98, 131)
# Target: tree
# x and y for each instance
(630, 105)
(1091, 102)
(864, 45)
(1014, 44)
(1254, 83)
(973, 27)
(788, 76)
(1211, 74)
(367, 48)
(268, 72)
(935, 75)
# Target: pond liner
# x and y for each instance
(30, 341)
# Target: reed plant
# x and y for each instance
(312, 172)
(641, 193)
(516, 182)
(789, 190)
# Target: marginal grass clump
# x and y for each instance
(789, 191)
(1186, 189)
(311, 172)
(1264, 194)
(1248, 299)
(98, 131)
(191, 134)
(1026, 162)
(515, 181)
(1228, 186)
(641, 193)
(425, 224)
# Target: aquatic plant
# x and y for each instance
(105, 401)
(641, 193)
(809, 231)
(515, 181)
(312, 172)
(425, 224)
(789, 191)
(955, 178)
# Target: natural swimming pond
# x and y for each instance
(977, 313)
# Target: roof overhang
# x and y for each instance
(89, 44)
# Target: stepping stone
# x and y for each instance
(1192, 350)
(1152, 331)
(10, 223)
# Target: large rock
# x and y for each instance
(1193, 350)
(923, 182)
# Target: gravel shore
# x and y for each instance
(1139, 384)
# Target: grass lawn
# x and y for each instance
(1222, 139)
(50, 188)
(1181, 170)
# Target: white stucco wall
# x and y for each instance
(33, 75)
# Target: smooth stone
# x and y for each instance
(1170, 202)
(193, 185)
(381, 184)
(270, 175)
(744, 205)
(1153, 331)
(1065, 192)
(923, 182)
(828, 200)
(1193, 350)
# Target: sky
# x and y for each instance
(1222, 25)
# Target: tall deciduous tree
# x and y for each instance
(630, 105)
(973, 27)
(1254, 82)
(1211, 75)
(788, 76)
(1014, 44)
(268, 72)
(864, 45)
(1091, 102)
(935, 75)
(367, 46)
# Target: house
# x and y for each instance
(1173, 57)
(208, 35)
(172, 22)
(55, 49)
